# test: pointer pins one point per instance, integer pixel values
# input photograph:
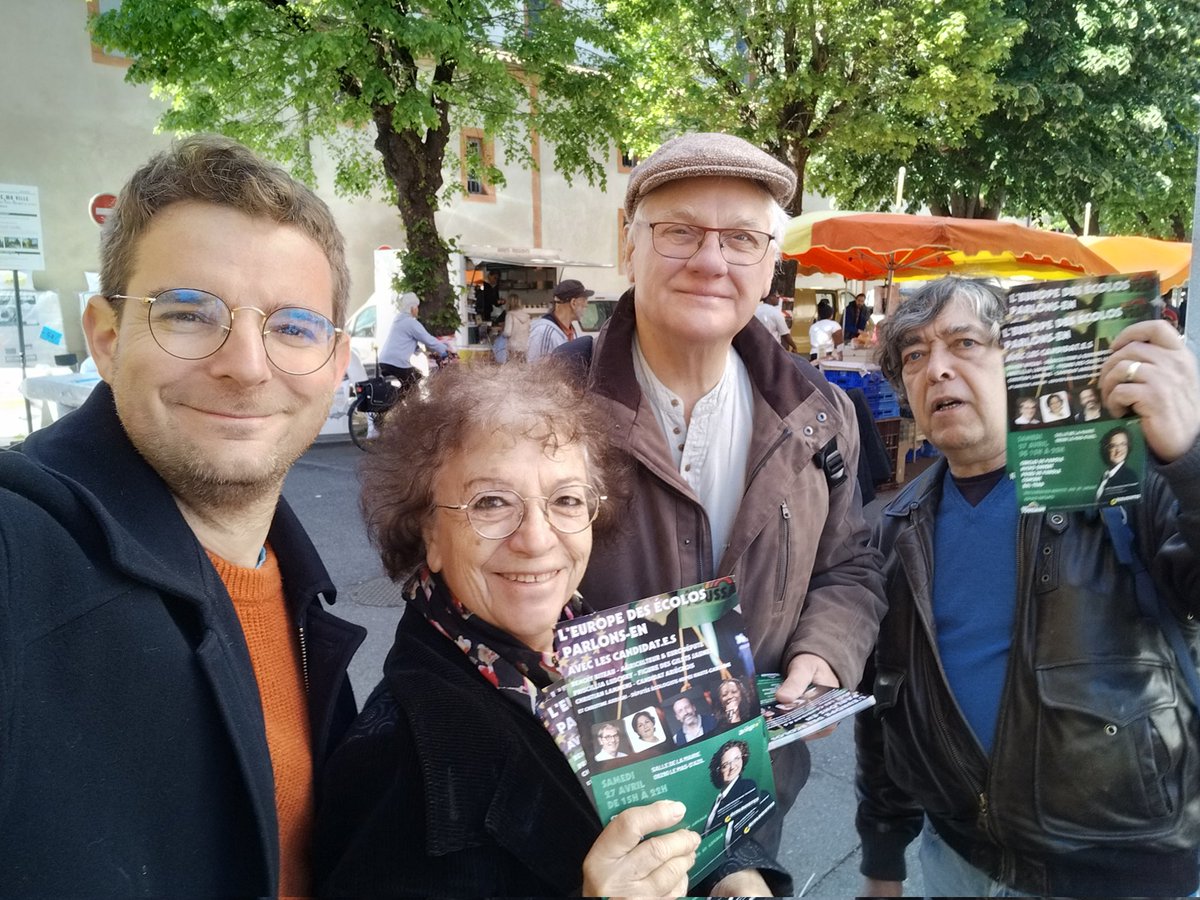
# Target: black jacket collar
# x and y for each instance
(148, 537)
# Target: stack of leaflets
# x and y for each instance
(818, 708)
(658, 701)
(1064, 449)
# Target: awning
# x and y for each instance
(525, 256)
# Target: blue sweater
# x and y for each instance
(975, 598)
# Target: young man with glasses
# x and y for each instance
(169, 680)
(735, 447)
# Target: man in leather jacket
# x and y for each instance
(170, 682)
(1030, 723)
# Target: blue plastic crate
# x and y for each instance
(844, 378)
(880, 389)
(884, 409)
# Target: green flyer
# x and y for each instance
(1064, 449)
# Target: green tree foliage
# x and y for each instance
(1097, 103)
(803, 77)
(384, 83)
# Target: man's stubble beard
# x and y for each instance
(201, 486)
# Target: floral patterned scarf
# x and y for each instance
(517, 671)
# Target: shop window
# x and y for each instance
(474, 145)
(534, 9)
(625, 159)
(95, 8)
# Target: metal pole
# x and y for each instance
(21, 342)
(1193, 319)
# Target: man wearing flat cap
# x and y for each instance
(740, 454)
(557, 327)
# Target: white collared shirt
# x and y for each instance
(712, 451)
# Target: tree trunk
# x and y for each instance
(413, 164)
(798, 159)
(959, 205)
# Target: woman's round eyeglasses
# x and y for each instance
(193, 324)
(497, 514)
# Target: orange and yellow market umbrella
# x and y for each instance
(1129, 253)
(884, 246)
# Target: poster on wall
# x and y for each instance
(20, 228)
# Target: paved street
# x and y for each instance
(820, 844)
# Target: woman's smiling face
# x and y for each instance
(520, 583)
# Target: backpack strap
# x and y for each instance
(828, 458)
(578, 354)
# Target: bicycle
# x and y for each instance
(371, 400)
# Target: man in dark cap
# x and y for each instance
(558, 326)
(740, 454)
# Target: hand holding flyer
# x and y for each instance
(1152, 374)
(658, 701)
(1066, 447)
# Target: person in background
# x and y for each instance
(1089, 404)
(856, 318)
(693, 724)
(1054, 407)
(769, 313)
(487, 298)
(496, 336)
(608, 742)
(1119, 482)
(738, 448)
(1027, 409)
(516, 329)
(406, 336)
(738, 799)
(646, 731)
(734, 704)
(824, 335)
(171, 681)
(1031, 724)
(557, 327)
(482, 497)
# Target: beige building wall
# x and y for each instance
(73, 128)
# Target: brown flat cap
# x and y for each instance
(711, 154)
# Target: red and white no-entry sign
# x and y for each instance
(101, 207)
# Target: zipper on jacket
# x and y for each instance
(919, 523)
(975, 787)
(1019, 617)
(787, 433)
(304, 658)
(785, 553)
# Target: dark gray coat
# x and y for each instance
(133, 757)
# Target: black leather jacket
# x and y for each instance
(1093, 784)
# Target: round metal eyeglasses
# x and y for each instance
(193, 324)
(679, 240)
(497, 514)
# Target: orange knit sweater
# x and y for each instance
(275, 654)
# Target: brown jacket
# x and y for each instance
(809, 581)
